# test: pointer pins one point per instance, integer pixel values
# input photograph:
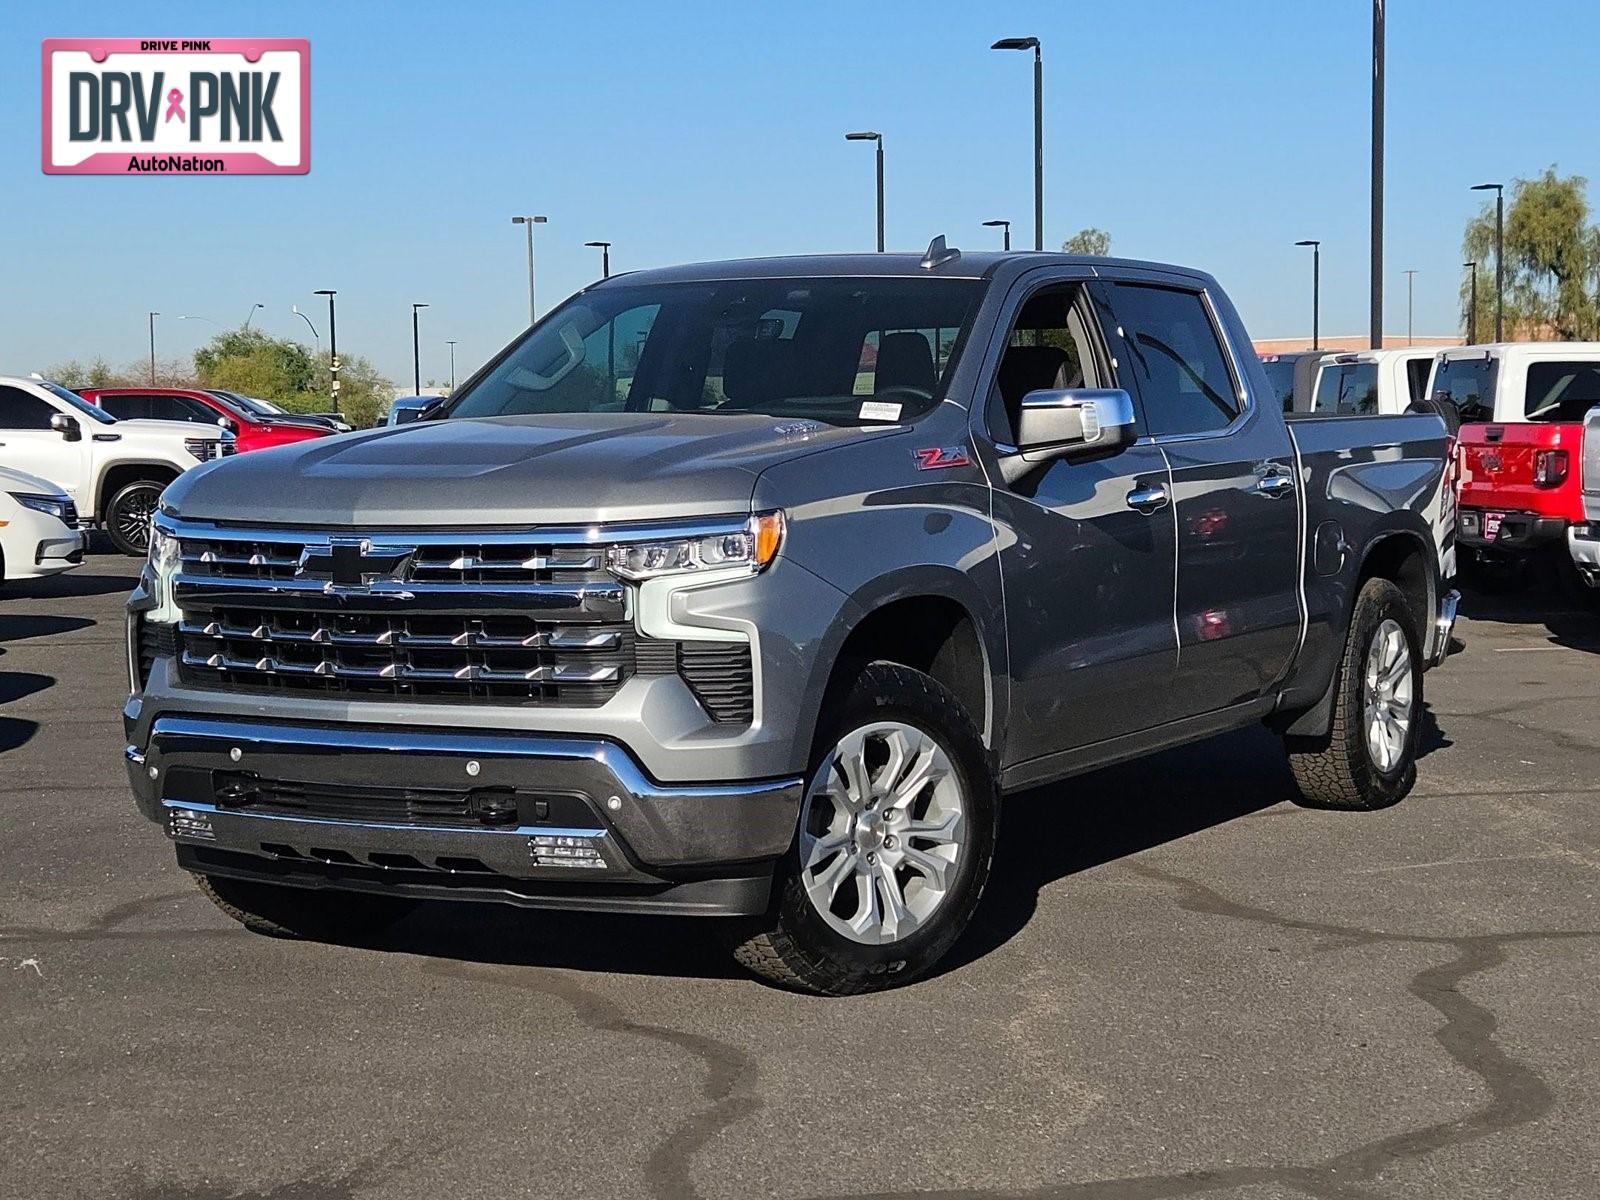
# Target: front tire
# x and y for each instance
(896, 835)
(314, 914)
(1367, 760)
(128, 516)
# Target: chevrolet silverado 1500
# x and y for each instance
(747, 589)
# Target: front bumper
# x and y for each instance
(1583, 541)
(535, 820)
(1519, 532)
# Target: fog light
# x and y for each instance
(579, 851)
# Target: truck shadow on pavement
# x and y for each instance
(1567, 622)
(67, 586)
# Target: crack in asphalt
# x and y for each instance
(1518, 1094)
(730, 1072)
(103, 928)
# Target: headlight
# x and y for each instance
(750, 548)
(53, 506)
(165, 557)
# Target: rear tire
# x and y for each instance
(1367, 760)
(128, 516)
(895, 839)
(316, 914)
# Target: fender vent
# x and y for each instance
(720, 675)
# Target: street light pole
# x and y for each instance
(872, 136)
(153, 317)
(1316, 290)
(252, 315)
(315, 340)
(1032, 43)
(1499, 190)
(530, 222)
(1006, 225)
(416, 352)
(333, 346)
(1411, 288)
(605, 257)
(1377, 174)
(452, 346)
(1472, 305)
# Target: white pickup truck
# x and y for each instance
(113, 470)
(1368, 382)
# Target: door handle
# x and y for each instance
(1272, 486)
(1148, 497)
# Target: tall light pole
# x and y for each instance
(873, 136)
(315, 340)
(1316, 290)
(451, 343)
(1499, 190)
(153, 317)
(530, 222)
(1472, 305)
(1377, 175)
(416, 352)
(254, 308)
(1032, 43)
(1006, 225)
(333, 346)
(605, 257)
(1411, 291)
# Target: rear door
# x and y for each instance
(1233, 491)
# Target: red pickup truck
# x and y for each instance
(252, 431)
(1522, 407)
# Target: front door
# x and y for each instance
(27, 443)
(1088, 572)
(1233, 488)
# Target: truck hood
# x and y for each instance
(535, 470)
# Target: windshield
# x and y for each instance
(1468, 383)
(249, 404)
(843, 351)
(1562, 392)
(1280, 376)
(77, 402)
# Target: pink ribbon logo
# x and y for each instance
(175, 106)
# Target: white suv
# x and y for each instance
(113, 470)
(38, 528)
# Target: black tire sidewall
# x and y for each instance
(889, 692)
(117, 501)
(1379, 601)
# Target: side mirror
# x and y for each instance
(66, 426)
(1074, 423)
(408, 408)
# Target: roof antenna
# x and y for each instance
(938, 254)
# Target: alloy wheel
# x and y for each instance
(1386, 695)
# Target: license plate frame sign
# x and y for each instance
(209, 106)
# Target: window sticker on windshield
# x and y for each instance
(879, 410)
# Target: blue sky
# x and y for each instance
(1213, 134)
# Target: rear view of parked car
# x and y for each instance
(38, 528)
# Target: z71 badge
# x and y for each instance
(936, 458)
(155, 106)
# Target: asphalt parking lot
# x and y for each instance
(1180, 984)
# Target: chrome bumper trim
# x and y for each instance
(1443, 626)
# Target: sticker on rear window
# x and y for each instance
(879, 410)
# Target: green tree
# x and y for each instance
(278, 368)
(1552, 268)
(1089, 241)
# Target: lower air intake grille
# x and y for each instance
(155, 641)
(720, 675)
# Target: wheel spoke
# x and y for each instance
(924, 770)
(934, 868)
(825, 883)
(897, 918)
(868, 921)
(901, 749)
(945, 830)
(821, 847)
(852, 763)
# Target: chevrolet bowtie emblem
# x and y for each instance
(353, 563)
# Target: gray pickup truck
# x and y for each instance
(747, 589)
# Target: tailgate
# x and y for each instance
(1499, 465)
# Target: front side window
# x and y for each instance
(1467, 383)
(23, 410)
(1561, 392)
(1175, 359)
(808, 348)
(1048, 349)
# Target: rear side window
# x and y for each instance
(1561, 392)
(1467, 383)
(1175, 360)
(1417, 371)
(1348, 388)
(21, 410)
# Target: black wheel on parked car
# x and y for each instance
(313, 913)
(1368, 759)
(897, 830)
(128, 516)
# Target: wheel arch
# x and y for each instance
(119, 475)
